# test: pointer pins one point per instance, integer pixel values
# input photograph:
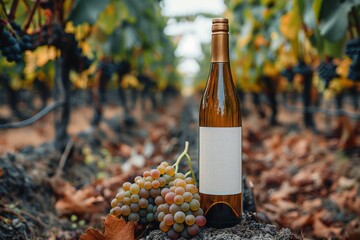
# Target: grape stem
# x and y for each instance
(184, 153)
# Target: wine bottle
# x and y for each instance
(220, 166)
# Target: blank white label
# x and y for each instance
(220, 160)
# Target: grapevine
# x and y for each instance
(164, 196)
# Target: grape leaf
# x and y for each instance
(86, 11)
(114, 228)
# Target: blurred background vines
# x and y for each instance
(58, 48)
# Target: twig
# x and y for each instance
(13, 10)
(31, 15)
(63, 158)
(350, 28)
(356, 19)
(33, 217)
(4, 9)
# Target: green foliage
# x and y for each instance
(86, 11)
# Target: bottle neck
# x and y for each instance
(220, 47)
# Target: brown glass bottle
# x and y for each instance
(220, 167)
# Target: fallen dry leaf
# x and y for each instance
(114, 229)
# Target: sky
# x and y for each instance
(193, 33)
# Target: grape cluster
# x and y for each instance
(164, 196)
(352, 48)
(10, 46)
(107, 69)
(288, 73)
(354, 69)
(327, 72)
(303, 69)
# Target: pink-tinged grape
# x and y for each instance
(126, 186)
(126, 201)
(149, 179)
(150, 217)
(178, 227)
(174, 208)
(142, 212)
(116, 211)
(190, 220)
(172, 189)
(155, 174)
(179, 175)
(161, 169)
(120, 204)
(179, 217)
(134, 198)
(134, 207)
(169, 170)
(166, 208)
(134, 189)
(200, 221)
(162, 181)
(196, 196)
(169, 219)
(194, 205)
(178, 199)
(155, 184)
(125, 210)
(191, 188)
(187, 197)
(185, 207)
(182, 183)
(143, 203)
(198, 212)
(179, 191)
(114, 203)
(189, 180)
(163, 227)
(144, 193)
(137, 178)
(164, 191)
(154, 192)
(127, 193)
(120, 196)
(141, 182)
(172, 234)
(175, 182)
(133, 217)
(146, 174)
(148, 185)
(160, 208)
(165, 164)
(193, 229)
(169, 198)
(161, 216)
(159, 200)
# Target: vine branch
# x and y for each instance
(4, 9)
(31, 15)
(13, 10)
(356, 20)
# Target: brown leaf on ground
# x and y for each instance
(114, 229)
(301, 222)
(71, 201)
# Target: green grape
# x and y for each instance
(193, 229)
(128, 194)
(196, 196)
(140, 182)
(162, 181)
(125, 210)
(155, 209)
(198, 212)
(178, 199)
(144, 193)
(169, 219)
(133, 217)
(149, 179)
(134, 189)
(171, 184)
(146, 174)
(168, 178)
(148, 185)
(120, 196)
(143, 203)
(114, 203)
(126, 201)
(189, 180)
(134, 207)
(169, 170)
(190, 220)
(179, 217)
(182, 183)
(172, 189)
(155, 174)
(150, 208)
(137, 178)
(159, 200)
(165, 164)
(169, 198)
(126, 186)
(134, 198)
(163, 227)
(150, 217)
(161, 216)
(179, 175)
(178, 227)
(174, 208)
(142, 212)
(191, 188)
(187, 196)
(194, 205)
(166, 208)
(184, 207)
(116, 211)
